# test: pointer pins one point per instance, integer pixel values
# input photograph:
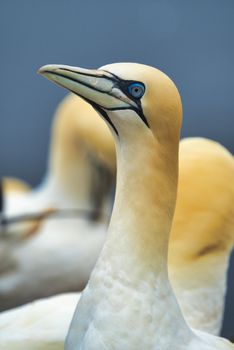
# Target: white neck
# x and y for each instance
(129, 297)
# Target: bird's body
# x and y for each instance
(56, 260)
(77, 168)
(43, 324)
(37, 326)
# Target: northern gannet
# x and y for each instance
(129, 302)
(26, 326)
(202, 234)
(61, 255)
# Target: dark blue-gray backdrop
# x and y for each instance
(190, 40)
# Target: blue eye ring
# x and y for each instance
(136, 90)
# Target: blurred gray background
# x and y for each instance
(192, 41)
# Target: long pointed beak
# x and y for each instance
(97, 87)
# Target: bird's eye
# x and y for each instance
(137, 90)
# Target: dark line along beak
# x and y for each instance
(95, 86)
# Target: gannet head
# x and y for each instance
(131, 97)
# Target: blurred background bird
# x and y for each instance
(202, 234)
(190, 41)
(11, 185)
(13, 190)
(76, 193)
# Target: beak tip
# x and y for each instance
(47, 69)
(41, 70)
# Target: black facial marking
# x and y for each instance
(142, 116)
(123, 86)
(112, 78)
(75, 80)
(104, 115)
(119, 83)
(99, 110)
(80, 73)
